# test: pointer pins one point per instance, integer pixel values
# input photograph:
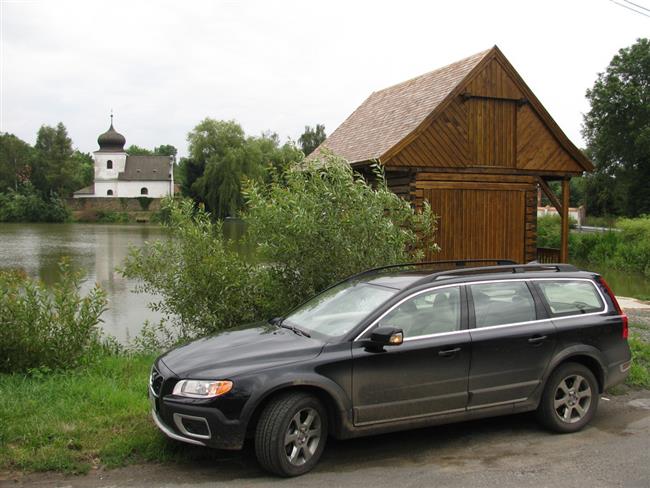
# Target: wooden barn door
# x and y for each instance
(478, 220)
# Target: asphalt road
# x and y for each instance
(508, 451)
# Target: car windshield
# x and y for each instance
(338, 310)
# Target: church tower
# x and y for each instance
(110, 161)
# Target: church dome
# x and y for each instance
(111, 140)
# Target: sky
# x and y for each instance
(163, 66)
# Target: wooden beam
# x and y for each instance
(551, 196)
(564, 246)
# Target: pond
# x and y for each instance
(96, 250)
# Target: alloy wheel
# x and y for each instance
(302, 436)
(572, 399)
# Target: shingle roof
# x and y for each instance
(389, 115)
(150, 168)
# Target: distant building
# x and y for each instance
(119, 175)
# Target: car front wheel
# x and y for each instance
(570, 398)
(291, 434)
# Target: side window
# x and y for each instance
(430, 312)
(571, 297)
(502, 303)
(109, 164)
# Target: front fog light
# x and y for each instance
(202, 388)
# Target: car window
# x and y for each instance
(338, 310)
(502, 303)
(427, 313)
(571, 297)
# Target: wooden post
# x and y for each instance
(564, 245)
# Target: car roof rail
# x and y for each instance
(459, 263)
(512, 268)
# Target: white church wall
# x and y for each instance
(155, 189)
(102, 188)
(101, 165)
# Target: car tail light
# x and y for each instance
(616, 305)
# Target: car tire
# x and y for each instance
(570, 398)
(291, 434)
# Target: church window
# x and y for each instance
(109, 192)
(144, 191)
(109, 164)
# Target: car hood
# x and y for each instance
(234, 352)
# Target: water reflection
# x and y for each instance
(97, 250)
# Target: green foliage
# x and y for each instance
(221, 156)
(144, 202)
(135, 150)
(203, 283)
(162, 150)
(309, 228)
(617, 131)
(549, 231)
(165, 150)
(324, 223)
(626, 247)
(27, 205)
(640, 370)
(111, 217)
(312, 138)
(15, 162)
(42, 327)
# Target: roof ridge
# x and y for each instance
(480, 55)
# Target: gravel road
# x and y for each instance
(505, 452)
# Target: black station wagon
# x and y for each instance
(393, 349)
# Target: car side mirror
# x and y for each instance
(386, 336)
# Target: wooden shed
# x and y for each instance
(473, 140)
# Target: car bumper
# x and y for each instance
(174, 420)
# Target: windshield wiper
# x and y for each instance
(293, 328)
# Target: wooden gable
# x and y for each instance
(491, 120)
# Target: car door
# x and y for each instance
(427, 373)
(512, 342)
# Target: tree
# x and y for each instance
(312, 138)
(617, 131)
(15, 160)
(165, 150)
(221, 156)
(134, 150)
(53, 169)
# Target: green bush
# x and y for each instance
(112, 217)
(27, 205)
(145, 202)
(308, 229)
(324, 223)
(46, 328)
(627, 247)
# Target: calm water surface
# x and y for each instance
(95, 249)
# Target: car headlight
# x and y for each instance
(202, 388)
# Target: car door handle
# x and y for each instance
(449, 352)
(537, 339)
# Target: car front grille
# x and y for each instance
(155, 382)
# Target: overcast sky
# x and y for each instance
(163, 66)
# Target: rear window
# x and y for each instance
(566, 297)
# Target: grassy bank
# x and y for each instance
(98, 415)
(70, 421)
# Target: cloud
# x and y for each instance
(163, 66)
